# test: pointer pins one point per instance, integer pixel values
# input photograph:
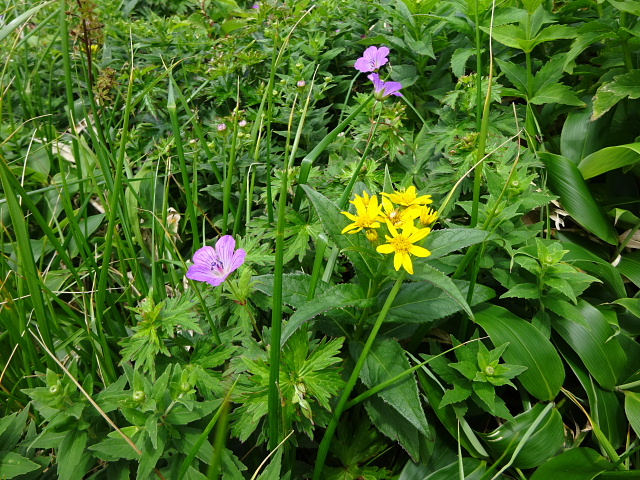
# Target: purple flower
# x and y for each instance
(213, 265)
(372, 59)
(382, 90)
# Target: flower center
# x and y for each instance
(216, 265)
(401, 244)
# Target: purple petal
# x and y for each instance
(392, 88)
(202, 273)
(363, 65)
(205, 256)
(224, 249)
(237, 260)
(381, 55)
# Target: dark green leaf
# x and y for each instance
(565, 180)
(609, 159)
(12, 465)
(597, 348)
(574, 464)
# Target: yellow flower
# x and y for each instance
(367, 212)
(403, 245)
(427, 215)
(398, 216)
(372, 235)
(408, 197)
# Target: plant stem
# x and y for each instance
(323, 450)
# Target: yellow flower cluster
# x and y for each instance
(398, 210)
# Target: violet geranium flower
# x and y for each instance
(382, 90)
(213, 265)
(372, 59)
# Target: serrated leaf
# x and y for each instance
(557, 93)
(338, 296)
(603, 101)
(443, 242)
(423, 302)
(355, 246)
(459, 60)
(72, 458)
(113, 449)
(516, 74)
(456, 394)
(387, 359)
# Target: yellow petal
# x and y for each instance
(423, 200)
(386, 248)
(350, 216)
(419, 251)
(351, 227)
(406, 263)
(397, 260)
(419, 234)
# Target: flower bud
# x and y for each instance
(54, 389)
(138, 396)
(301, 84)
(222, 127)
(372, 235)
(185, 387)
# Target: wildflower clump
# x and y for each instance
(395, 219)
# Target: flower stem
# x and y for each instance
(323, 450)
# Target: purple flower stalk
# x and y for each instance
(213, 265)
(372, 59)
(382, 90)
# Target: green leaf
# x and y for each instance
(73, 461)
(609, 159)
(338, 296)
(21, 19)
(566, 181)
(150, 456)
(597, 348)
(459, 60)
(629, 6)
(355, 246)
(424, 302)
(625, 85)
(629, 266)
(528, 347)
(632, 408)
(557, 93)
(523, 290)
(386, 360)
(444, 283)
(603, 101)
(12, 465)
(574, 464)
(112, 449)
(516, 74)
(443, 242)
(546, 440)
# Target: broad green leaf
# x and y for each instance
(527, 347)
(632, 408)
(443, 242)
(12, 465)
(574, 464)
(12, 428)
(531, 5)
(566, 181)
(459, 60)
(629, 6)
(338, 296)
(555, 32)
(625, 85)
(522, 290)
(556, 93)
(150, 456)
(72, 458)
(510, 35)
(440, 280)
(603, 101)
(631, 304)
(355, 246)
(596, 346)
(546, 440)
(609, 159)
(272, 472)
(605, 406)
(387, 359)
(629, 266)
(424, 302)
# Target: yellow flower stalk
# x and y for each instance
(367, 214)
(408, 197)
(402, 244)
